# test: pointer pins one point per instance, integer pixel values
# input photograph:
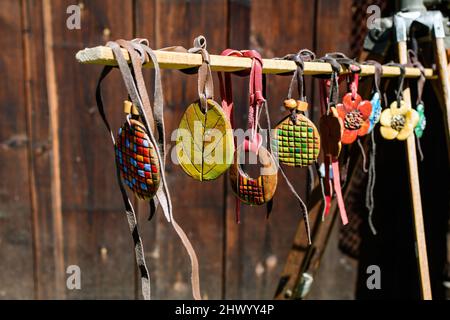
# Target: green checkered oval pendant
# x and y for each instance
(296, 144)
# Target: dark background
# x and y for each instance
(59, 202)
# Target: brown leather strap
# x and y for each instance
(195, 279)
(137, 66)
(131, 216)
(333, 96)
(158, 101)
(297, 79)
(205, 79)
(377, 75)
(136, 89)
(414, 61)
(147, 114)
(401, 80)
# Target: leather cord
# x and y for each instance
(297, 81)
(256, 102)
(377, 75)
(205, 79)
(205, 85)
(129, 210)
(369, 199)
(139, 53)
(414, 62)
(298, 77)
(163, 193)
(335, 60)
(401, 80)
(350, 64)
(334, 81)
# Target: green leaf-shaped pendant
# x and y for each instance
(205, 143)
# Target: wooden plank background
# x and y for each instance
(59, 202)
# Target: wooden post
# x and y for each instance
(52, 93)
(444, 86)
(421, 247)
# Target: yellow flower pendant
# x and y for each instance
(398, 122)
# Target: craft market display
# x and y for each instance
(206, 146)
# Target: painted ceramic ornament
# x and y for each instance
(420, 107)
(261, 189)
(296, 140)
(422, 121)
(254, 191)
(137, 159)
(374, 117)
(205, 142)
(354, 113)
(331, 130)
(398, 122)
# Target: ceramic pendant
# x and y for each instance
(354, 113)
(420, 127)
(296, 143)
(254, 191)
(331, 129)
(205, 142)
(398, 122)
(137, 159)
(374, 117)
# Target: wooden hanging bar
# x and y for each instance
(176, 60)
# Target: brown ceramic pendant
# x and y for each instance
(254, 191)
(331, 129)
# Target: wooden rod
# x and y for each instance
(177, 60)
(419, 228)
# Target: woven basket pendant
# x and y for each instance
(254, 191)
(296, 144)
(137, 159)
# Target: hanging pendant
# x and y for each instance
(137, 159)
(354, 113)
(331, 129)
(254, 191)
(205, 143)
(374, 117)
(296, 140)
(422, 123)
(398, 122)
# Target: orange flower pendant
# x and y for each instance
(354, 113)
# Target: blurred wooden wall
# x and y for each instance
(59, 202)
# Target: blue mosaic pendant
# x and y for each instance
(376, 111)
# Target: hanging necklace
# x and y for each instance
(204, 142)
(296, 141)
(399, 120)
